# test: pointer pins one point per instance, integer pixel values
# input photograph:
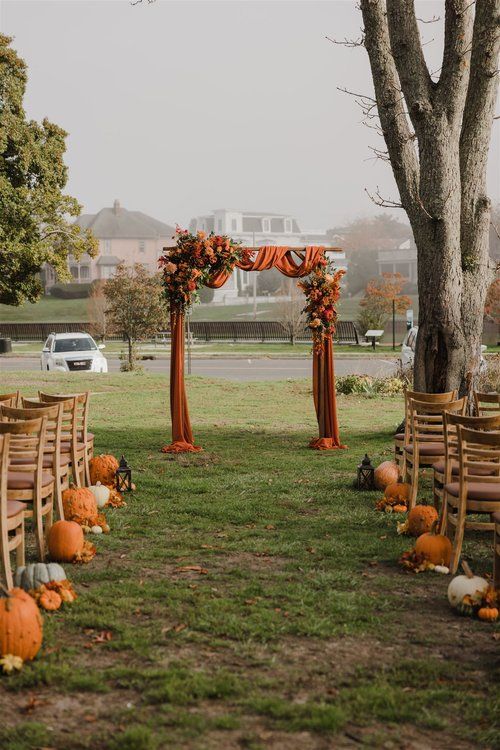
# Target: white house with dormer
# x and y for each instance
(257, 229)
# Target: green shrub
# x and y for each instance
(370, 386)
(70, 291)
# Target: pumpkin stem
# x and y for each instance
(468, 572)
(433, 530)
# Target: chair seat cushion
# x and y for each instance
(64, 460)
(439, 467)
(496, 516)
(14, 507)
(66, 447)
(399, 437)
(25, 480)
(427, 449)
(476, 490)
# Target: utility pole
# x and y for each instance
(393, 324)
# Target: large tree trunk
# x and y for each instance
(443, 186)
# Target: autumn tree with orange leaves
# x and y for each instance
(382, 297)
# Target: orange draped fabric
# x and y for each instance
(283, 259)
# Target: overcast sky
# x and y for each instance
(177, 108)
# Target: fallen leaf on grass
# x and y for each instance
(33, 703)
(270, 527)
(191, 569)
(103, 637)
(174, 628)
(89, 717)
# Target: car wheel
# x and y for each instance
(48, 368)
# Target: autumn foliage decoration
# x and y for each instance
(322, 291)
(194, 259)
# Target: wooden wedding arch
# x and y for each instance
(292, 262)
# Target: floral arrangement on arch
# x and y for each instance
(322, 291)
(194, 259)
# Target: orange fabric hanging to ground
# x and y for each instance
(323, 377)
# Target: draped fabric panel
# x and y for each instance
(265, 258)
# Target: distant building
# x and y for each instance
(255, 229)
(402, 259)
(124, 237)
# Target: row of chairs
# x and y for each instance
(43, 442)
(464, 454)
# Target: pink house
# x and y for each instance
(124, 237)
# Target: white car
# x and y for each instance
(72, 352)
(408, 350)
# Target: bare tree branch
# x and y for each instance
(384, 202)
(347, 42)
(452, 84)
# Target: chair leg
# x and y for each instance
(458, 540)
(20, 549)
(58, 498)
(414, 485)
(5, 556)
(38, 524)
(86, 467)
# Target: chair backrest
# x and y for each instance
(427, 419)
(69, 414)
(429, 398)
(9, 399)
(27, 439)
(33, 410)
(486, 403)
(479, 456)
(451, 422)
(82, 411)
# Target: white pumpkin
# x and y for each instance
(467, 585)
(101, 494)
(96, 530)
(32, 576)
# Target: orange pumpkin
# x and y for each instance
(434, 547)
(399, 508)
(385, 474)
(398, 491)
(79, 504)
(21, 625)
(50, 600)
(102, 469)
(65, 540)
(421, 519)
(488, 614)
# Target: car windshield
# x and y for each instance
(74, 345)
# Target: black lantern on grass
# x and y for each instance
(123, 476)
(366, 475)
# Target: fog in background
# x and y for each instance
(177, 108)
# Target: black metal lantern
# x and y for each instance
(366, 475)
(123, 476)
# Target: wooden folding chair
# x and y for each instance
(426, 438)
(9, 399)
(446, 470)
(477, 490)
(82, 417)
(70, 442)
(28, 482)
(11, 518)
(403, 438)
(486, 403)
(53, 460)
(496, 551)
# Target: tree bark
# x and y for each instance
(442, 186)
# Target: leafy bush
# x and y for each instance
(369, 386)
(70, 291)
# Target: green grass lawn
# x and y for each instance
(298, 630)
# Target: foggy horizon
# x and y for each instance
(179, 108)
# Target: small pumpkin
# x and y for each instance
(79, 504)
(488, 614)
(101, 494)
(399, 491)
(399, 508)
(434, 547)
(421, 519)
(466, 585)
(65, 541)
(103, 469)
(96, 530)
(50, 600)
(29, 577)
(385, 474)
(21, 625)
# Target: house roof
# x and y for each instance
(120, 223)
(108, 260)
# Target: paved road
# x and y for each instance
(235, 369)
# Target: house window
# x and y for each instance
(234, 225)
(74, 271)
(266, 225)
(107, 271)
(288, 225)
(84, 272)
(219, 225)
(142, 246)
(107, 247)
